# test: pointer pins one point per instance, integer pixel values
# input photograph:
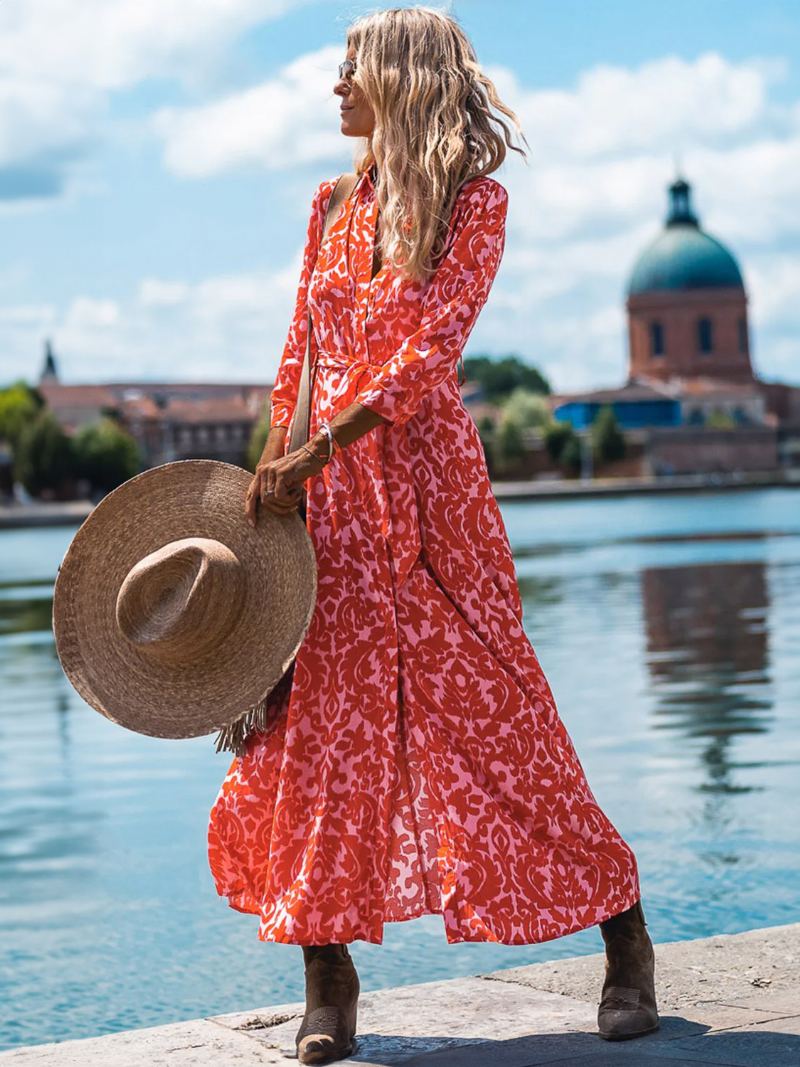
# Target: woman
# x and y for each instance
(415, 760)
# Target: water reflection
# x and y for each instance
(707, 644)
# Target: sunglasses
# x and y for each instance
(347, 69)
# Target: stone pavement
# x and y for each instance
(732, 999)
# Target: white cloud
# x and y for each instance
(614, 111)
(26, 315)
(155, 293)
(231, 326)
(279, 124)
(85, 314)
(110, 45)
(60, 61)
(774, 287)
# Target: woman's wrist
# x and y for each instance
(274, 444)
(319, 446)
(347, 426)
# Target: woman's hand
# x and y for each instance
(278, 481)
(285, 475)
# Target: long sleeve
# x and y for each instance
(455, 295)
(284, 392)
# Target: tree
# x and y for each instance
(486, 431)
(720, 419)
(570, 457)
(508, 446)
(500, 377)
(556, 437)
(527, 408)
(258, 438)
(19, 406)
(44, 459)
(106, 456)
(608, 440)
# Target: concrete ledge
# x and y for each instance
(73, 512)
(727, 1000)
(57, 513)
(558, 489)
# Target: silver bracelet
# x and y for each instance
(326, 427)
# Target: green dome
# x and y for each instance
(683, 256)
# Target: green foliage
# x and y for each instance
(500, 377)
(608, 440)
(258, 438)
(720, 420)
(106, 456)
(19, 406)
(570, 457)
(556, 437)
(563, 446)
(44, 458)
(508, 446)
(527, 408)
(486, 425)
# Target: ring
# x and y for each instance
(270, 492)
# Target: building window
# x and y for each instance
(742, 335)
(656, 339)
(705, 341)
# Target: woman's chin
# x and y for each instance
(348, 129)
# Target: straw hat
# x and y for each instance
(172, 615)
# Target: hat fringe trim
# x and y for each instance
(233, 737)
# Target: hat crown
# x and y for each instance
(181, 600)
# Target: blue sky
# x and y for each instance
(157, 163)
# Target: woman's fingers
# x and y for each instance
(269, 481)
(281, 509)
(265, 484)
(278, 483)
(286, 492)
(250, 502)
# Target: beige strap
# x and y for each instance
(302, 413)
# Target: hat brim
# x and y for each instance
(186, 498)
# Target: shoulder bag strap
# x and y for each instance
(233, 737)
(300, 422)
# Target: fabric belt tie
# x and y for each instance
(345, 362)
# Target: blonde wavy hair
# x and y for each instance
(434, 126)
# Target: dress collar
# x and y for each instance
(369, 176)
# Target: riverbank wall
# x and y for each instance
(730, 1000)
(73, 512)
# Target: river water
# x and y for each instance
(669, 630)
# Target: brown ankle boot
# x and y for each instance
(628, 999)
(328, 1029)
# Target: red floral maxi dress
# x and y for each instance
(415, 762)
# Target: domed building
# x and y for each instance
(691, 400)
(687, 303)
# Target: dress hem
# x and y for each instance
(376, 938)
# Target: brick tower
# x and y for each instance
(686, 303)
